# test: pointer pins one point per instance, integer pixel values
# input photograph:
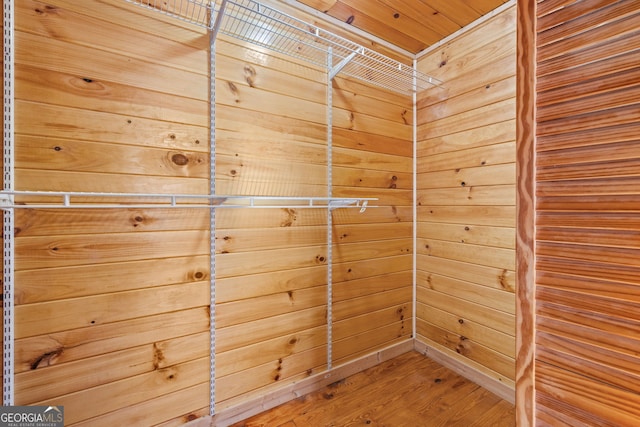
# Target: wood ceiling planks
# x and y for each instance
(413, 25)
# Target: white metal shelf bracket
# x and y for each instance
(335, 70)
(215, 29)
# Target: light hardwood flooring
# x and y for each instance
(407, 391)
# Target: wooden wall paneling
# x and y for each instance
(466, 200)
(472, 330)
(86, 306)
(365, 268)
(491, 361)
(498, 278)
(372, 157)
(251, 355)
(586, 251)
(191, 42)
(108, 65)
(481, 176)
(131, 16)
(469, 291)
(270, 375)
(477, 138)
(237, 336)
(66, 88)
(162, 410)
(499, 216)
(502, 237)
(141, 125)
(455, 55)
(271, 264)
(238, 312)
(361, 344)
(90, 341)
(133, 390)
(49, 383)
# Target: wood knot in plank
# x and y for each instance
(158, 356)
(250, 75)
(47, 359)
(46, 10)
(291, 217)
(234, 90)
(180, 159)
(504, 281)
(463, 346)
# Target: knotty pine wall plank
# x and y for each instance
(163, 410)
(470, 329)
(238, 336)
(456, 55)
(466, 184)
(499, 216)
(245, 357)
(502, 237)
(367, 268)
(133, 390)
(83, 343)
(372, 320)
(107, 368)
(488, 135)
(499, 278)
(86, 92)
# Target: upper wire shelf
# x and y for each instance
(264, 26)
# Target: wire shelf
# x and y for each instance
(253, 22)
(197, 12)
(76, 200)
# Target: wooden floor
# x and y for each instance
(410, 390)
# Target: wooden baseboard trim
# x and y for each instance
(272, 399)
(493, 385)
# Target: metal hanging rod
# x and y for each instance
(266, 27)
(76, 200)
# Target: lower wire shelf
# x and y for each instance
(97, 200)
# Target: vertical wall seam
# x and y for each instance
(415, 201)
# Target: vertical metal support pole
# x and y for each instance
(8, 214)
(415, 198)
(329, 213)
(212, 219)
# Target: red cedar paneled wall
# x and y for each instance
(587, 197)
